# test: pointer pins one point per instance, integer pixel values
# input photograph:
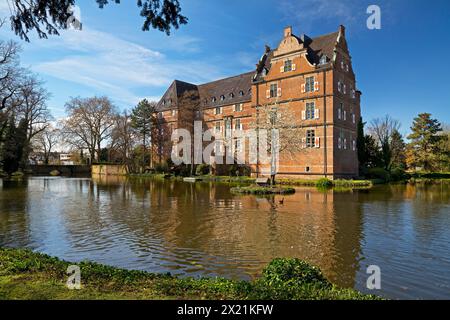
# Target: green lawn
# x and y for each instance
(28, 275)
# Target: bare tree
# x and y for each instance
(188, 108)
(45, 141)
(123, 140)
(285, 132)
(31, 100)
(383, 129)
(9, 71)
(89, 123)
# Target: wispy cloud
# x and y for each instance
(118, 67)
(308, 13)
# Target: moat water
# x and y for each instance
(202, 229)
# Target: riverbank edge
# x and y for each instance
(27, 275)
(416, 178)
(249, 180)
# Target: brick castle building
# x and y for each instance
(313, 77)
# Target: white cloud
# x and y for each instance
(117, 67)
(308, 12)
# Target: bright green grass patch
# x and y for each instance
(28, 275)
(259, 190)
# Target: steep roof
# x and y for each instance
(230, 90)
(237, 89)
(323, 45)
(170, 98)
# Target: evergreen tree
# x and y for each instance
(424, 146)
(14, 145)
(369, 154)
(397, 149)
(142, 120)
(361, 146)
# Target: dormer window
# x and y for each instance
(241, 93)
(214, 99)
(288, 65)
(222, 98)
(323, 60)
(164, 102)
(231, 95)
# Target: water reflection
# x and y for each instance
(202, 229)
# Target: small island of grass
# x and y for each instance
(262, 190)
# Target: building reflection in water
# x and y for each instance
(202, 229)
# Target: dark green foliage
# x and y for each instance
(202, 169)
(423, 150)
(294, 272)
(397, 152)
(161, 167)
(15, 142)
(369, 154)
(143, 122)
(398, 174)
(49, 16)
(378, 173)
(324, 183)
(262, 190)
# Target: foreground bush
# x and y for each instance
(28, 275)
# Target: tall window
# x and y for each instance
(218, 110)
(237, 124)
(238, 107)
(273, 90)
(310, 138)
(217, 126)
(228, 127)
(288, 65)
(309, 85)
(310, 107)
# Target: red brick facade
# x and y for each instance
(314, 71)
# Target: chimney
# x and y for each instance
(342, 30)
(287, 31)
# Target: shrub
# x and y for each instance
(290, 278)
(202, 169)
(324, 183)
(378, 173)
(162, 167)
(398, 174)
(293, 271)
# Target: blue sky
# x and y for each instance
(401, 69)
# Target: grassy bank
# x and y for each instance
(28, 275)
(263, 190)
(332, 183)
